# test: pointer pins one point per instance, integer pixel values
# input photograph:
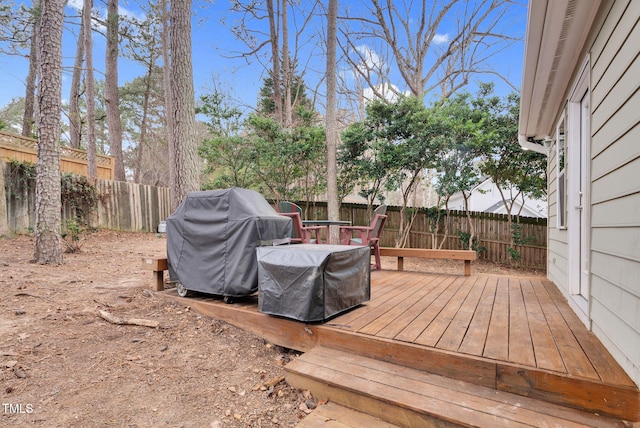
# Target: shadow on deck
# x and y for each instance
(511, 334)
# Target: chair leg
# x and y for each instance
(376, 253)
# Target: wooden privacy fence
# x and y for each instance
(24, 149)
(130, 206)
(121, 206)
(135, 207)
(492, 230)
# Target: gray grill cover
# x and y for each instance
(212, 238)
(310, 282)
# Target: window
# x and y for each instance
(561, 152)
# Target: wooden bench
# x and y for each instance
(422, 253)
(158, 266)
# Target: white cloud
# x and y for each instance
(388, 91)
(439, 39)
(79, 4)
(76, 4)
(369, 58)
(131, 14)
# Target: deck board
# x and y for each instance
(388, 317)
(547, 355)
(520, 343)
(332, 415)
(371, 321)
(452, 338)
(459, 401)
(475, 339)
(380, 293)
(497, 344)
(415, 328)
(605, 366)
(573, 356)
(512, 334)
(420, 302)
(432, 334)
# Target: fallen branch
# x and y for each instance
(268, 384)
(132, 321)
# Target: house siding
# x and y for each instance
(557, 263)
(615, 182)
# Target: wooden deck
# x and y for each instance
(511, 334)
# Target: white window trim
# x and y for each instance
(561, 192)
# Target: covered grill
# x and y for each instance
(212, 239)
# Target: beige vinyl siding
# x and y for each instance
(612, 59)
(612, 17)
(617, 125)
(615, 184)
(622, 310)
(618, 183)
(624, 151)
(557, 263)
(619, 212)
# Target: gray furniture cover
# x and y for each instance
(212, 238)
(310, 282)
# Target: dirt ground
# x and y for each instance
(63, 365)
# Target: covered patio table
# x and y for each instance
(312, 282)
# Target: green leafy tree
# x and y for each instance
(368, 160)
(391, 150)
(516, 173)
(11, 115)
(227, 153)
(464, 134)
(259, 153)
(300, 130)
(283, 158)
(301, 105)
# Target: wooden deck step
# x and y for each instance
(332, 415)
(412, 398)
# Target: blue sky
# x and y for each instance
(212, 42)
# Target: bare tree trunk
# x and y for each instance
(446, 223)
(4, 217)
(183, 141)
(275, 59)
(92, 166)
(287, 74)
(333, 200)
(30, 94)
(143, 124)
(404, 229)
(168, 97)
(111, 91)
(472, 229)
(48, 243)
(75, 119)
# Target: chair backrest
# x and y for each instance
(378, 225)
(296, 230)
(382, 210)
(289, 207)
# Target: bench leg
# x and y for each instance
(467, 267)
(158, 283)
(400, 263)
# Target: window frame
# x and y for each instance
(561, 172)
